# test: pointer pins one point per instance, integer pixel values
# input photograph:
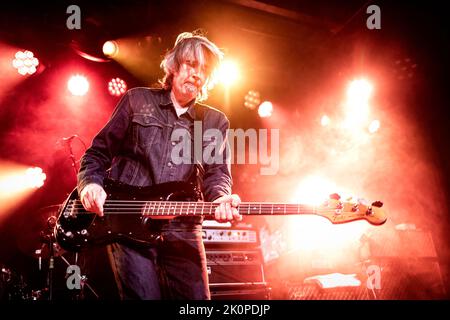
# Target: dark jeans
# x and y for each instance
(174, 268)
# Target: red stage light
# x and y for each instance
(78, 85)
(117, 87)
(25, 62)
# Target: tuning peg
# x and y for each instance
(335, 196)
(377, 204)
(363, 201)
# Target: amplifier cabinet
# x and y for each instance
(234, 267)
(256, 291)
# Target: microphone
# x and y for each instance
(64, 140)
(69, 138)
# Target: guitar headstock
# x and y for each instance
(338, 211)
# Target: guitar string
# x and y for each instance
(165, 205)
(199, 205)
(185, 211)
(186, 203)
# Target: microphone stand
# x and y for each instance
(51, 225)
(48, 238)
(51, 266)
(72, 156)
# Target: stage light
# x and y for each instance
(325, 121)
(78, 85)
(309, 234)
(31, 178)
(357, 106)
(110, 48)
(265, 109)
(34, 177)
(228, 73)
(25, 62)
(374, 126)
(404, 68)
(17, 182)
(359, 91)
(117, 87)
(314, 190)
(252, 99)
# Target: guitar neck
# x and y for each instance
(181, 208)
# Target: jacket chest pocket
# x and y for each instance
(147, 130)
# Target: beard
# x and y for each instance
(191, 89)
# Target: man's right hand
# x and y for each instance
(93, 198)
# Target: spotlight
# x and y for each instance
(34, 177)
(252, 99)
(325, 121)
(359, 92)
(25, 62)
(110, 48)
(228, 72)
(78, 85)
(374, 126)
(265, 109)
(357, 105)
(314, 190)
(117, 87)
(31, 178)
(405, 68)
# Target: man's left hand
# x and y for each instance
(227, 210)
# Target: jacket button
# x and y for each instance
(147, 119)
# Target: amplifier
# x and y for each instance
(258, 291)
(234, 267)
(392, 243)
(230, 236)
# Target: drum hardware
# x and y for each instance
(49, 244)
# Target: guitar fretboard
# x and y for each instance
(181, 208)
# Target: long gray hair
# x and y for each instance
(191, 45)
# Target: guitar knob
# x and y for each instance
(335, 196)
(363, 201)
(377, 204)
(69, 234)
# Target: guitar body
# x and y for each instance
(77, 228)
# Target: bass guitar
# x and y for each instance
(129, 212)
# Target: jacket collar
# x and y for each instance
(166, 101)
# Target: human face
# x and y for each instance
(188, 81)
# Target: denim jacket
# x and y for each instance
(135, 145)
